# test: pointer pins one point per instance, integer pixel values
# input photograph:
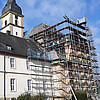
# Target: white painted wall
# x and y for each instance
(18, 30)
(6, 18)
(15, 28)
(5, 29)
(21, 78)
(19, 20)
(1, 85)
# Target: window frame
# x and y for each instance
(27, 65)
(29, 85)
(16, 17)
(13, 87)
(16, 22)
(16, 33)
(12, 63)
(5, 22)
(8, 47)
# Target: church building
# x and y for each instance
(47, 60)
(23, 67)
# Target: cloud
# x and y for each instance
(95, 30)
(98, 22)
(51, 11)
(94, 4)
(97, 41)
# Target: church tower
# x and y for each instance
(12, 19)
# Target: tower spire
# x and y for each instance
(12, 19)
(11, 1)
(12, 6)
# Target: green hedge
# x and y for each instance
(28, 96)
(25, 96)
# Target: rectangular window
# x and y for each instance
(16, 16)
(12, 62)
(13, 84)
(27, 65)
(16, 33)
(29, 85)
(16, 22)
(5, 22)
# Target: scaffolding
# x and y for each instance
(41, 72)
(73, 57)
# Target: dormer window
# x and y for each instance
(8, 47)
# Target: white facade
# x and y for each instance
(17, 73)
(20, 74)
(13, 23)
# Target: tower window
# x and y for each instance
(5, 22)
(16, 33)
(16, 22)
(16, 16)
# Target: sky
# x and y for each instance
(52, 11)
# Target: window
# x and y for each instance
(16, 33)
(12, 62)
(29, 85)
(8, 47)
(13, 84)
(16, 22)
(27, 65)
(16, 16)
(5, 22)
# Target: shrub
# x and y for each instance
(28, 96)
(40, 96)
(25, 96)
(13, 98)
(80, 96)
